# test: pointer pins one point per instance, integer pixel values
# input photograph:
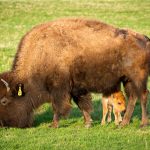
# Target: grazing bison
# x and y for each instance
(70, 58)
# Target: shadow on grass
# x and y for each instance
(46, 115)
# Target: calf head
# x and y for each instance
(119, 102)
(14, 109)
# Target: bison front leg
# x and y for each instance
(61, 106)
(56, 116)
(144, 99)
(85, 104)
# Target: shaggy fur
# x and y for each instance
(69, 58)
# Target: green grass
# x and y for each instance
(16, 18)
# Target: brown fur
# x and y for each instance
(69, 58)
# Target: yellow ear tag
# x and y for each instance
(19, 91)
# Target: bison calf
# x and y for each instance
(69, 58)
(115, 102)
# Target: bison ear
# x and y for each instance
(20, 89)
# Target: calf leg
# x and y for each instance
(85, 104)
(116, 114)
(109, 113)
(120, 117)
(105, 111)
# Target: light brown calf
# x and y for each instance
(115, 102)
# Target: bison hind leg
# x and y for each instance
(135, 88)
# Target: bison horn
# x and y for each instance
(6, 84)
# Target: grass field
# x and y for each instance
(16, 18)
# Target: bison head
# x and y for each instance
(14, 108)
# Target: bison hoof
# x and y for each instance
(109, 120)
(123, 124)
(117, 123)
(144, 125)
(103, 123)
(54, 125)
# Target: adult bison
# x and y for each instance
(69, 58)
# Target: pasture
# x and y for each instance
(19, 16)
